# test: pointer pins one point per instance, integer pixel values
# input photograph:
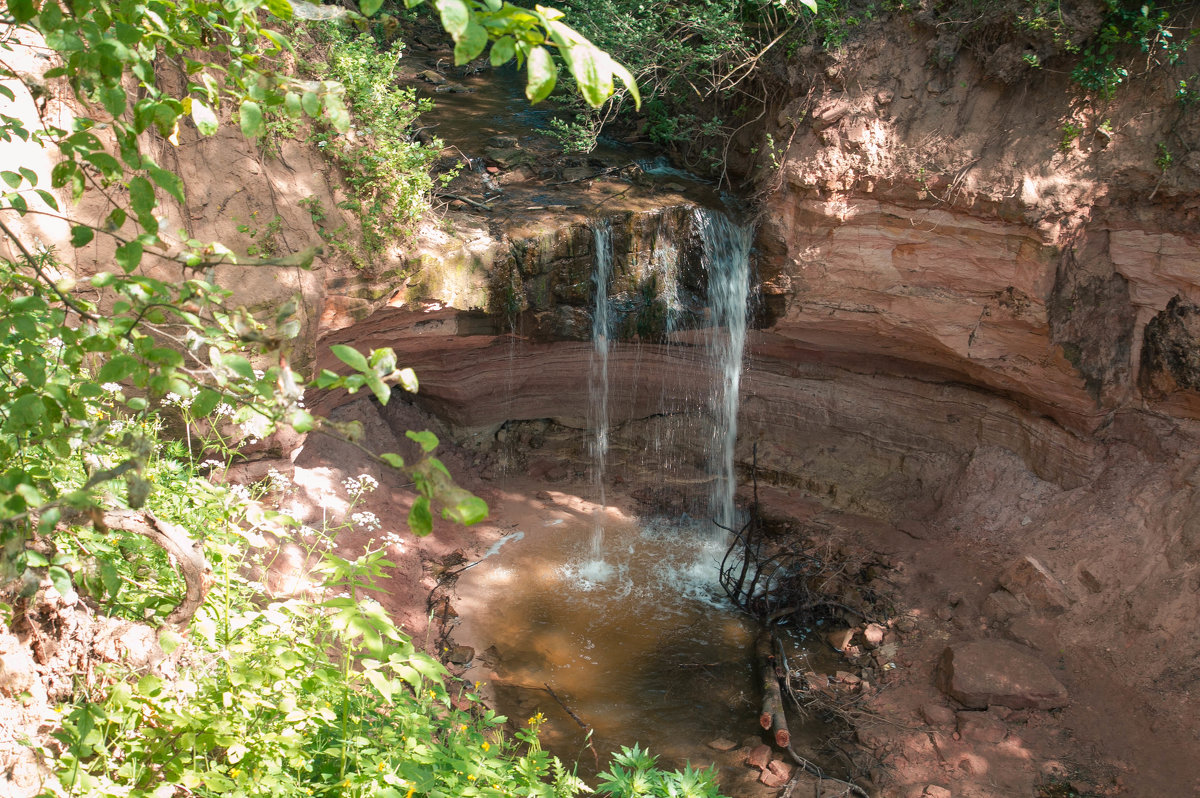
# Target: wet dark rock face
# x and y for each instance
(1171, 350)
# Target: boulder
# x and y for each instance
(984, 673)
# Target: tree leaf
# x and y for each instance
(12, 178)
(167, 181)
(205, 119)
(426, 439)
(392, 459)
(468, 510)
(592, 72)
(141, 197)
(369, 9)
(502, 51)
(81, 235)
(113, 99)
(291, 105)
(350, 356)
(310, 101)
(420, 519)
(407, 379)
(129, 255)
(22, 10)
(542, 75)
(251, 117)
(60, 579)
(47, 198)
(470, 44)
(455, 16)
(626, 77)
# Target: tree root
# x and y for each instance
(186, 554)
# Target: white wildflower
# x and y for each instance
(255, 427)
(223, 409)
(357, 486)
(278, 481)
(111, 387)
(240, 492)
(367, 520)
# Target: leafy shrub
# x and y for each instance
(385, 167)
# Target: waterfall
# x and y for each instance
(725, 254)
(598, 377)
(727, 262)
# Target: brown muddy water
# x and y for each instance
(639, 648)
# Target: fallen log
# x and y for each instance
(772, 718)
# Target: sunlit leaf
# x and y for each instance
(426, 439)
(502, 51)
(129, 255)
(455, 16)
(350, 356)
(205, 119)
(251, 117)
(470, 44)
(420, 518)
(542, 74)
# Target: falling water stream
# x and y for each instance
(595, 616)
(598, 385)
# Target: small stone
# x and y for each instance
(873, 634)
(839, 638)
(721, 744)
(847, 678)
(759, 757)
(776, 774)
(986, 672)
(430, 76)
(937, 714)
(1001, 605)
(935, 791)
(460, 655)
(17, 672)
